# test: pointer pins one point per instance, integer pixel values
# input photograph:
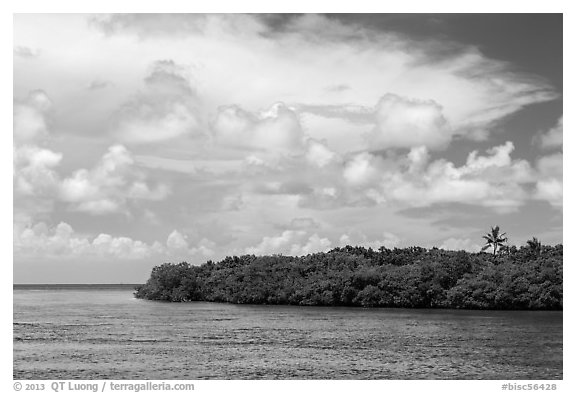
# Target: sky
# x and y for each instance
(144, 139)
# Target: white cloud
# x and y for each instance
(356, 101)
(121, 247)
(34, 172)
(494, 180)
(109, 185)
(314, 244)
(318, 51)
(40, 240)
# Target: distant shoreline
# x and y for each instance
(73, 286)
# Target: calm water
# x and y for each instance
(83, 333)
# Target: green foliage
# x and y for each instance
(354, 276)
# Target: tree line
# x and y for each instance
(528, 278)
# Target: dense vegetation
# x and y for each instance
(529, 277)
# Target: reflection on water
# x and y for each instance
(81, 333)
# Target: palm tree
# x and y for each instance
(535, 245)
(494, 239)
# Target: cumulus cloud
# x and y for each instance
(276, 130)
(361, 122)
(30, 117)
(107, 187)
(553, 138)
(316, 51)
(103, 189)
(493, 180)
(35, 175)
(404, 122)
(358, 238)
(167, 108)
(177, 245)
(121, 247)
(457, 244)
(41, 240)
(362, 170)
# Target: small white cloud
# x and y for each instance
(178, 246)
(553, 138)
(314, 244)
(30, 121)
(176, 241)
(549, 186)
(319, 155)
(418, 158)
(457, 244)
(290, 242)
(26, 52)
(362, 170)
(359, 239)
(120, 247)
(34, 172)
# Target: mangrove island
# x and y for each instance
(514, 278)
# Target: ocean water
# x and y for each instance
(105, 333)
